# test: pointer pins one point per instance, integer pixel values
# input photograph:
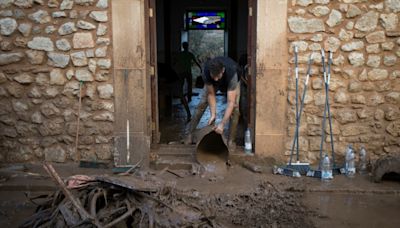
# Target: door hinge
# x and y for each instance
(250, 11)
(150, 12)
(153, 126)
(152, 70)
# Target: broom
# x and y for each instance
(327, 78)
(301, 167)
(298, 168)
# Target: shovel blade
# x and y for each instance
(212, 151)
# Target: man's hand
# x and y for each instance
(219, 128)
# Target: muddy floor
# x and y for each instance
(259, 204)
(174, 123)
(238, 198)
(354, 210)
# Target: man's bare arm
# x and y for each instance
(212, 103)
(228, 111)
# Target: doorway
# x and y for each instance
(204, 44)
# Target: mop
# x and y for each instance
(327, 78)
(298, 168)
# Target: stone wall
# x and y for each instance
(47, 48)
(364, 37)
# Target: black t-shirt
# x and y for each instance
(230, 77)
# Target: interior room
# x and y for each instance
(211, 28)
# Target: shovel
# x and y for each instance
(212, 150)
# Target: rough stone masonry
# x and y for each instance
(47, 48)
(364, 37)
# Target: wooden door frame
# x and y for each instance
(251, 60)
(150, 8)
(272, 78)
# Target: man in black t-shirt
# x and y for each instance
(220, 73)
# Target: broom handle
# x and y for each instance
(296, 134)
(321, 147)
(296, 71)
(323, 127)
(329, 109)
(297, 99)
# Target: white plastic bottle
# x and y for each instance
(350, 162)
(326, 169)
(362, 167)
(247, 142)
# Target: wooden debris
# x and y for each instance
(106, 201)
(175, 173)
(252, 167)
(50, 170)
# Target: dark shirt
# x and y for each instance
(230, 78)
(183, 62)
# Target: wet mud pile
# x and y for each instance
(105, 201)
(265, 206)
(129, 201)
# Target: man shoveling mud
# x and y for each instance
(220, 73)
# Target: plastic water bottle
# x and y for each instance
(347, 155)
(350, 162)
(363, 161)
(247, 142)
(326, 172)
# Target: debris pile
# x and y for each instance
(266, 206)
(103, 201)
(134, 201)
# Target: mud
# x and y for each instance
(354, 210)
(14, 208)
(242, 198)
(265, 207)
(147, 200)
(212, 154)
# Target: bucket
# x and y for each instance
(211, 150)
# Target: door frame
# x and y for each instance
(151, 27)
(251, 60)
(150, 8)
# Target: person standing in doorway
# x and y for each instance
(183, 67)
(220, 73)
